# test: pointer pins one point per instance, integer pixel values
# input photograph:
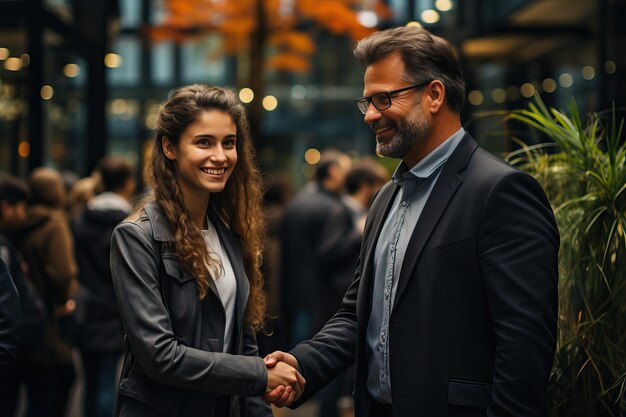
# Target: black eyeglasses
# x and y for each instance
(382, 101)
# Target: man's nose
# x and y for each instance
(372, 114)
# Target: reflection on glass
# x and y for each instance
(130, 13)
(204, 61)
(61, 8)
(127, 71)
(64, 107)
(162, 62)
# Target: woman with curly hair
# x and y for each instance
(186, 270)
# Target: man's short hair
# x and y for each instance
(425, 56)
(362, 173)
(329, 157)
(13, 190)
(115, 172)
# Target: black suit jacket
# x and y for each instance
(473, 326)
(320, 246)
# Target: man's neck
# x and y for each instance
(443, 127)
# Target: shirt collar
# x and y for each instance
(427, 166)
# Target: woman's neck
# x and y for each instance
(197, 206)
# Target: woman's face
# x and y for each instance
(206, 154)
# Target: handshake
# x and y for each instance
(284, 383)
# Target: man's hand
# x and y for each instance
(283, 396)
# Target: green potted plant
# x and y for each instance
(583, 170)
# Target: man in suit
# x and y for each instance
(318, 239)
(453, 308)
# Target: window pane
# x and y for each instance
(130, 13)
(162, 63)
(128, 72)
(204, 62)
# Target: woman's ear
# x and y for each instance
(169, 150)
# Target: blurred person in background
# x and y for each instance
(317, 238)
(319, 250)
(14, 196)
(81, 192)
(186, 269)
(100, 336)
(453, 310)
(363, 181)
(10, 324)
(46, 243)
(277, 194)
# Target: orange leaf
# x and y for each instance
(288, 62)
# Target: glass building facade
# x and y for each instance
(89, 82)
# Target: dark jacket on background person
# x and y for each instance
(47, 247)
(101, 326)
(472, 330)
(10, 322)
(33, 308)
(174, 364)
(319, 243)
(33, 315)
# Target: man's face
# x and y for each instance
(405, 124)
(12, 216)
(337, 174)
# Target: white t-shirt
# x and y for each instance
(226, 283)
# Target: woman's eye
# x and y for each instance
(229, 142)
(203, 142)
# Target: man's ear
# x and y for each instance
(436, 96)
(169, 150)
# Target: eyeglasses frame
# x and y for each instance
(389, 94)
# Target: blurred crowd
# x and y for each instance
(55, 233)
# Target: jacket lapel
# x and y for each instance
(378, 214)
(161, 230)
(443, 191)
(232, 247)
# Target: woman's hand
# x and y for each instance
(287, 376)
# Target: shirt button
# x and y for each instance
(403, 204)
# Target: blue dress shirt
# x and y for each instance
(415, 185)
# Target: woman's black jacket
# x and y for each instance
(174, 364)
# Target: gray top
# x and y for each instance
(225, 282)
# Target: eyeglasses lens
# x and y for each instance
(381, 101)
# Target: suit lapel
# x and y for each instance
(443, 191)
(378, 213)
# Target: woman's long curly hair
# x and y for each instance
(238, 205)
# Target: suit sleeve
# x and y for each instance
(518, 251)
(10, 321)
(135, 276)
(331, 351)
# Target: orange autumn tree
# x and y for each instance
(275, 34)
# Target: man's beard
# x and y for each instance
(409, 131)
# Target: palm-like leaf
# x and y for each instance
(585, 179)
